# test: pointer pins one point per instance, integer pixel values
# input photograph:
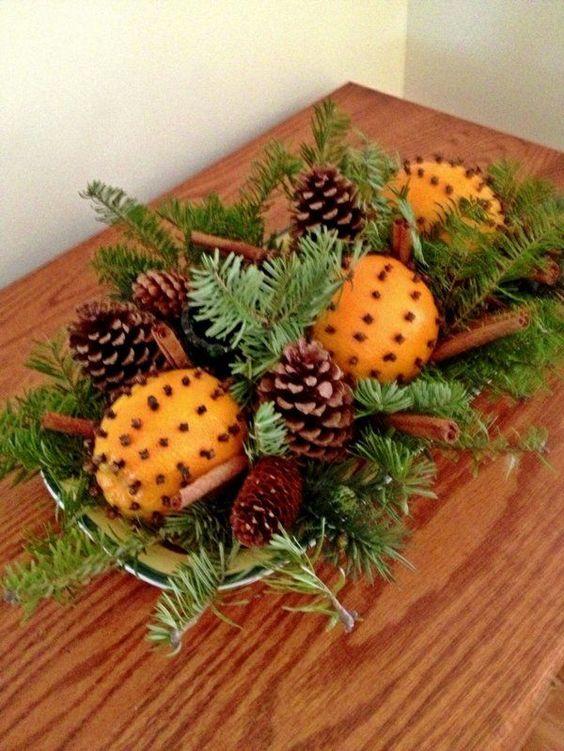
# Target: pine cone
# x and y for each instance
(269, 498)
(162, 293)
(309, 391)
(113, 343)
(325, 197)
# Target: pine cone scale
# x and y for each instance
(325, 197)
(309, 391)
(113, 343)
(269, 498)
(162, 293)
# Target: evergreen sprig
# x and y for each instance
(194, 589)
(261, 310)
(62, 563)
(329, 127)
(518, 365)
(430, 394)
(203, 525)
(276, 169)
(407, 470)
(120, 265)
(238, 221)
(344, 503)
(297, 575)
(267, 434)
(113, 206)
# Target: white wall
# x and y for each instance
(142, 93)
(496, 62)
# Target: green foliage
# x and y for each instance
(203, 525)
(261, 310)
(25, 447)
(120, 265)
(430, 394)
(194, 588)
(469, 267)
(408, 471)
(113, 206)
(343, 503)
(297, 575)
(53, 359)
(519, 364)
(240, 221)
(370, 168)
(329, 127)
(524, 197)
(276, 169)
(62, 563)
(268, 433)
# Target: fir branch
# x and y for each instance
(345, 502)
(297, 575)
(120, 265)
(276, 169)
(268, 433)
(63, 563)
(202, 525)
(430, 394)
(410, 473)
(194, 589)
(386, 398)
(520, 364)
(113, 206)
(370, 168)
(240, 221)
(25, 448)
(260, 311)
(53, 359)
(329, 127)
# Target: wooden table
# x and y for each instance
(456, 655)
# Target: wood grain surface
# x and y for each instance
(457, 655)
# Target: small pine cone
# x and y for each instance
(269, 498)
(324, 197)
(113, 343)
(310, 392)
(162, 293)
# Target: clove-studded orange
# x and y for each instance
(383, 323)
(168, 431)
(434, 186)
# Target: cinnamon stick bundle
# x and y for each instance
(69, 425)
(212, 480)
(401, 241)
(489, 329)
(170, 346)
(425, 426)
(226, 246)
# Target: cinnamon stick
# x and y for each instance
(226, 246)
(67, 424)
(425, 426)
(401, 241)
(485, 331)
(548, 275)
(212, 480)
(170, 346)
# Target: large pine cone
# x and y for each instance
(113, 343)
(269, 498)
(162, 293)
(309, 391)
(324, 197)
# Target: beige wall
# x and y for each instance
(497, 62)
(142, 93)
